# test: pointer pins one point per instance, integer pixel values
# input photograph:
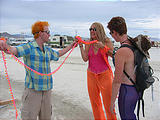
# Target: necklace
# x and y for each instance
(124, 41)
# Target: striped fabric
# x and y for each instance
(39, 61)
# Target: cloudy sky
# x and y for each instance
(68, 17)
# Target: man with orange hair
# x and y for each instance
(36, 99)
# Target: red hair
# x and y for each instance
(37, 27)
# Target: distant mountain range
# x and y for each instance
(5, 34)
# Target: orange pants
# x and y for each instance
(100, 83)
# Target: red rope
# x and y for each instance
(6, 72)
(10, 88)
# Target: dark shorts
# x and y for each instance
(127, 100)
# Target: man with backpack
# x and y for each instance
(124, 61)
(133, 74)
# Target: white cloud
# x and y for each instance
(149, 23)
(71, 28)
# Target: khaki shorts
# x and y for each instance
(36, 104)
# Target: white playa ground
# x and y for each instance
(69, 95)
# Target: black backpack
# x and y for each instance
(143, 71)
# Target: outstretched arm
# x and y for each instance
(65, 50)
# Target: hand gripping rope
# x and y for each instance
(6, 72)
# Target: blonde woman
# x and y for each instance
(99, 73)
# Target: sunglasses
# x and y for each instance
(48, 32)
(94, 29)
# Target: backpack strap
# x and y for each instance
(132, 48)
(116, 48)
(129, 46)
(129, 77)
(113, 55)
(138, 107)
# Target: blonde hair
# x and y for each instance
(37, 27)
(100, 33)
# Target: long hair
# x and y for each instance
(100, 32)
(37, 27)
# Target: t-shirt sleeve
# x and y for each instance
(54, 54)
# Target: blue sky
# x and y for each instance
(67, 17)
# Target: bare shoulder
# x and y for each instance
(123, 55)
(124, 52)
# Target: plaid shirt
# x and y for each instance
(40, 61)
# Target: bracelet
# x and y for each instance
(81, 46)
